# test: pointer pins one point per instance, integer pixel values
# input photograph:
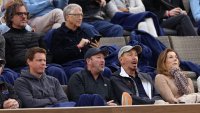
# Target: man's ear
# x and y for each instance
(28, 61)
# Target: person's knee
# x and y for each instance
(57, 15)
(117, 30)
(57, 11)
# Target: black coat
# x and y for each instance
(6, 92)
(17, 43)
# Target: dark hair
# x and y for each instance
(161, 62)
(11, 11)
(32, 51)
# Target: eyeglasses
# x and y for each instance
(22, 13)
(76, 15)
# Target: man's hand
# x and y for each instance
(94, 44)
(83, 43)
(123, 9)
(175, 11)
(102, 3)
(111, 103)
(10, 104)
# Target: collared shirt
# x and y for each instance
(137, 82)
(64, 44)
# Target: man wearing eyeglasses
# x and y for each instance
(18, 40)
(70, 42)
(94, 13)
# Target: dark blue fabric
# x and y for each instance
(9, 76)
(189, 66)
(90, 100)
(48, 37)
(198, 30)
(89, 29)
(63, 104)
(60, 3)
(73, 66)
(107, 29)
(57, 71)
(112, 61)
(130, 21)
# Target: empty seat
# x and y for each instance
(188, 47)
(165, 40)
(119, 41)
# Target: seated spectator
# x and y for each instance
(34, 87)
(195, 9)
(171, 82)
(18, 40)
(44, 15)
(131, 15)
(171, 15)
(70, 42)
(90, 80)
(94, 15)
(128, 79)
(3, 27)
(8, 96)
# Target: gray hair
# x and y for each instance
(69, 8)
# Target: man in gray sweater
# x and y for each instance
(34, 87)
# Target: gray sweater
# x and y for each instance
(41, 92)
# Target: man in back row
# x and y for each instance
(18, 40)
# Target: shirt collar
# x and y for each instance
(124, 74)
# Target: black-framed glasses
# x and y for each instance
(77, 15)
(22, 13)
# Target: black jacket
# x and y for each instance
(6, 92)
(64, 44)
(83, 82)
(17, 43)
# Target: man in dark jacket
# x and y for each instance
(18, 40)
(34, 87)
(128, 79)
(8, 96)
(70, 42)
(90, 80)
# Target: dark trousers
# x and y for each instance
(107, 29)
(181, 23)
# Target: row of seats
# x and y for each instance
(188, 48)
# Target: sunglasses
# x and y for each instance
(22, 13)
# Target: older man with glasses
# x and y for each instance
(70, 42)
